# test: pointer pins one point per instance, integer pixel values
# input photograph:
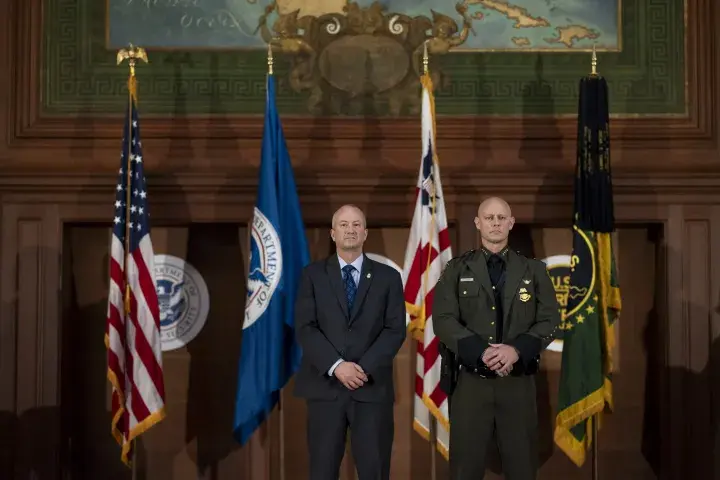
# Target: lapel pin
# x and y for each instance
(526, 281)
(369, 275)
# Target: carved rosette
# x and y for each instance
(364, 60)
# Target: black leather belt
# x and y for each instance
(485, 372)
(480, 372)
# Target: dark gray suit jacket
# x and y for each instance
(370, 335)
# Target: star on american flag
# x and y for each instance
(139, 224)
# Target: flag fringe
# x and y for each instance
(139, 429)
(435, 411)
(610, 301)
(151, 420)
(573, 415)
(571, 446)
(115, 383)
(425, 434)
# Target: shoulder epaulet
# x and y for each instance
(519, 253)
(459, 258)
(464, 256)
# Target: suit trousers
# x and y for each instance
(371, 437)
(505, 407)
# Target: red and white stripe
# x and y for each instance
(427, 252)
(133, 345)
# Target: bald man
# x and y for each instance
(495, 310)
(350, 322)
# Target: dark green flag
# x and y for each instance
(593, 302)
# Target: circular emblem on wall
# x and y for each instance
(184, 301)
(382, 259)
(559, 269)
(265, 267)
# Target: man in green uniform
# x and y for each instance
(495, 311)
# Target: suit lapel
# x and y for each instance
(366, 278)
(335, 277)
(479, 268)
(516, 268)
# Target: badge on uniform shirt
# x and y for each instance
(526, 281)
(524, 295)
(467, 279)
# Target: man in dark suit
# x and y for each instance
(496, 310)
(350, 323)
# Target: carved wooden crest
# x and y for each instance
(364, 60)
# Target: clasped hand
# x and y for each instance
(500, 358)
(351, 375)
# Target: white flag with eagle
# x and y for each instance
(428, 250)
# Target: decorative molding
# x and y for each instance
(231, 144)
(362, 56)
(645, 78)
(203, 190)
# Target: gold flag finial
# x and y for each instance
(426, 59)
(593, 63)
(132, 54)
(270, 61)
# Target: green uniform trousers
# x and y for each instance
(505, 407)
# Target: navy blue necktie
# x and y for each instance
(350, 287)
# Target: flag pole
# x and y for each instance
(426, 59)
(433, 420)
(270, 64)
(595, 472)
(132, 54)
(596, 417)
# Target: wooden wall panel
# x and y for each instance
(697, 298)
(686, 303)
(30, 335)
(713, 369)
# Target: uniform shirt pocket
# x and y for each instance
(469, 301)
(468, 290)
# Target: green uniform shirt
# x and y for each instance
(464, 307)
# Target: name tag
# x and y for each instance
(467, 279)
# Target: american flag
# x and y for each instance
(428, 250)
(132, 335)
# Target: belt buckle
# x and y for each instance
(485, 373)
(477, 371)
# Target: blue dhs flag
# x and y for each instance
(278, 253)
